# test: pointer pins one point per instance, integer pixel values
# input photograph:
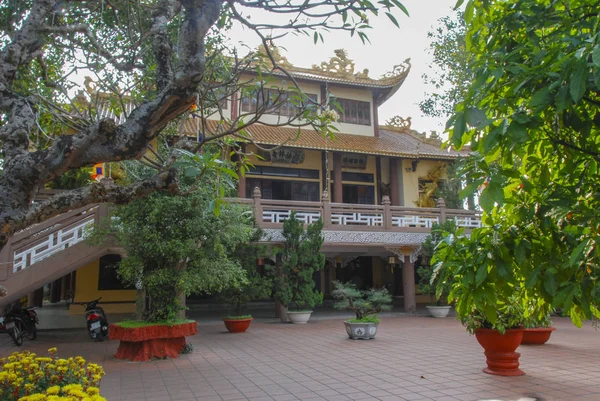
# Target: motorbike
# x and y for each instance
(97, 323)
(19, 323)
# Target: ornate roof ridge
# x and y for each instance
(340, 67)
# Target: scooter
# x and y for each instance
(19, 323)
(97, 323)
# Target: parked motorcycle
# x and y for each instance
(19, 323)
(97, 323)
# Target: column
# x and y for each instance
(408, 284)
(64, 287)
(337, 177)
(55, 289)
(241, 186)
(394, 189)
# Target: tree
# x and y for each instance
(532, 117)
(177, 245)
(155, 62)
(452, 74)
(301, 258)
(256, 285)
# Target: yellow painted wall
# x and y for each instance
(355, 94)
(86, 289)
(385, 170)
(411, 178)
(364, 95)
(312, 161)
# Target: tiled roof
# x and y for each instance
(396, 143)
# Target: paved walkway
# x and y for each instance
(413, 358)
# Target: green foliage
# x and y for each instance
(429, 279)
(256, 285)
(364, 304)
(452, 74)
(134, 324)
(366, 319)
(532, 118)
(301, 257)
(72, 179)
(238, 317)
(176, 245)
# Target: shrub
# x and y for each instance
(28, 377)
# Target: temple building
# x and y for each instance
(368, 183)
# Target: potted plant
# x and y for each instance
(538, 324)
(255, 286)
(301, 258)
(429, 283)
(489, 297)
(365, 305)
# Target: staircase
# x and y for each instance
(47, 251)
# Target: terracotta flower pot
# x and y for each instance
(501, 358)
(537, 336)
(237, 325)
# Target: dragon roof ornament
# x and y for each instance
(400, 124)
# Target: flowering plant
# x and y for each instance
(24, 376)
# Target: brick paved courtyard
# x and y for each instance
(413, 358)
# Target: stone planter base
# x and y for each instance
(143, 343)
(299, 317)
(439, 311)
(361, 331)
(537, 336)
(501, 358)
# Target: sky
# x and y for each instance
(389, 46)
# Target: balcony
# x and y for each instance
(270, 214)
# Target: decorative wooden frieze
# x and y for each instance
(283, 155)
(353, 160)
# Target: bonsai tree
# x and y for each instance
(428, 277)
(365, 304)
(301, 257)
(255, 285)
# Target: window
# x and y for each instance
(284, 190)
(277, 102)
(355, 177)
(356, 194)
(284, 172)
(107, 274)
(354, 111)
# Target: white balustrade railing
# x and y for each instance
(414, 221)
(360, 219)
(468, 222)
(53, 243)
(279, 216)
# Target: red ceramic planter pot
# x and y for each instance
(144, 343)
(537, 336)
(501, 358)
(237, 325)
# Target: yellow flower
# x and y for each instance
(93, 390)
(52, 351)
(54, 390)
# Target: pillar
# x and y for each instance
(55, 288)
(64, 287)
(408, 283)
(36, 298)
(394, 189)
(338, 196)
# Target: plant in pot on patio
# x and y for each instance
(488, 294)
(256, 286)
(538, 323)
(174, 246)
(428, 277)
(301, 258)
(365, 305)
